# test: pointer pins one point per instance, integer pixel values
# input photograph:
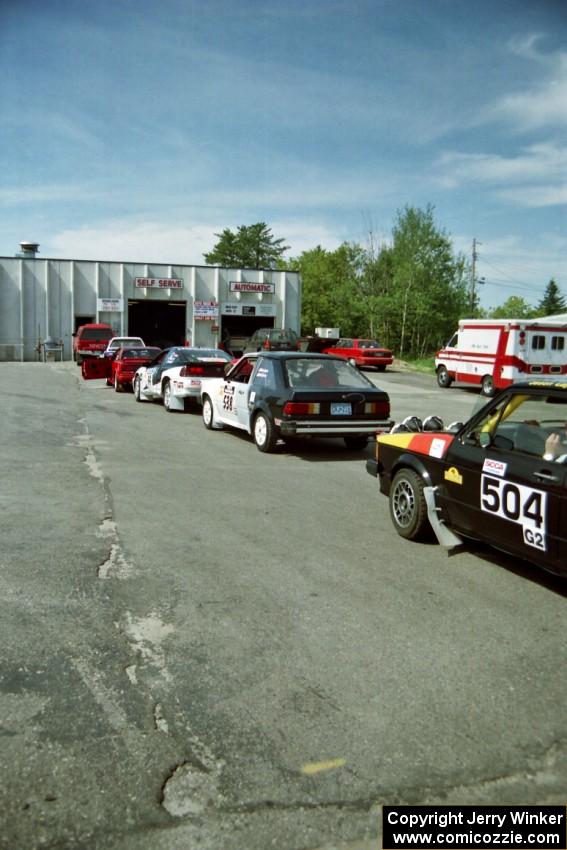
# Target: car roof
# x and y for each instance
(293, 355)
(557, 386)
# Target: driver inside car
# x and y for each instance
(556, 446)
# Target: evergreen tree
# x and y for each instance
(552, 302)
(251, 247)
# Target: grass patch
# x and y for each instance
(420, 364)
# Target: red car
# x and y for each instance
(120, 369)
(362, 352)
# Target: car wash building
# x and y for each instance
(43, 301)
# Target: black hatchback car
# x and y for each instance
(500, 478)
(277, 394)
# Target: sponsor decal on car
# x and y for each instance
(494, 467)
(434, 445)
(453, 475)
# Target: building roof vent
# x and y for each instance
(28, 249)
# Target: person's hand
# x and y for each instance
(553, 445)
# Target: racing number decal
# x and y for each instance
(228, 399)
(516, 503)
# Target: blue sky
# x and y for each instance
(137, 129)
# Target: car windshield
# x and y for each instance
(210, 354)
(324, 373)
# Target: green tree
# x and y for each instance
(429, 292)
(514, 307)
(552, 302)
(251, 247)
(329, 288)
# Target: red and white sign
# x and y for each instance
(158, 283)
(243, 286)
(206, 310)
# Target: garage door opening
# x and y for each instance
(160, 323)
(241, 328)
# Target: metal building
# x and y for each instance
(44, 299)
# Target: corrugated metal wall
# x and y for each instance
(42, 298)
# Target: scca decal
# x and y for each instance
(494, 467)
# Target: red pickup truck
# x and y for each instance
(90, 341)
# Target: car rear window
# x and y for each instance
(324, 373)
(140, 352)
(281, 336)
(369, 343)
(96, 333)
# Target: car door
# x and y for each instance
(96, 367)
(233, 400)
(499, 488)
(154, 373)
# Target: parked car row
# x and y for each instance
(268, 394)
(500, 478)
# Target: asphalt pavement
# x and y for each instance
(205, 646)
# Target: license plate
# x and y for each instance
(338, 409)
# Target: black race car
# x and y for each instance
(500, 478)
(274, 394)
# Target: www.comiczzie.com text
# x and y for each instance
(479, 827)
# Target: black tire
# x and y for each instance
(264, 433)
(117, 385)
(208, 412)
(356, 442)
(380, 368)
(166, 392)
(408, 509)
(487, 386)
(443, 378)
(137, 393)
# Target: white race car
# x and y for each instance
(175, 375)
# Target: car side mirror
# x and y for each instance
(227, 368)
(485, 439)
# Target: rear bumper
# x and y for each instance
(376, 361)
(190, 388)
(330, 428)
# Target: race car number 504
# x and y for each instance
(517, 503)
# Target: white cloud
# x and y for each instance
(160, 242)
(137, 241)
(545, 103)
(510, 265)
(534, 178)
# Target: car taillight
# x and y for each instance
(191, 370)
(266, 344)
(300, 408)
(380, 407)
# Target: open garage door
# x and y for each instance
(241, 328)
(160, 323)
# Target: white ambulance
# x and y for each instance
(494, 353)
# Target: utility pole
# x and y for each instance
(475, 242)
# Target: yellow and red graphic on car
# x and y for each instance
(432, 444)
